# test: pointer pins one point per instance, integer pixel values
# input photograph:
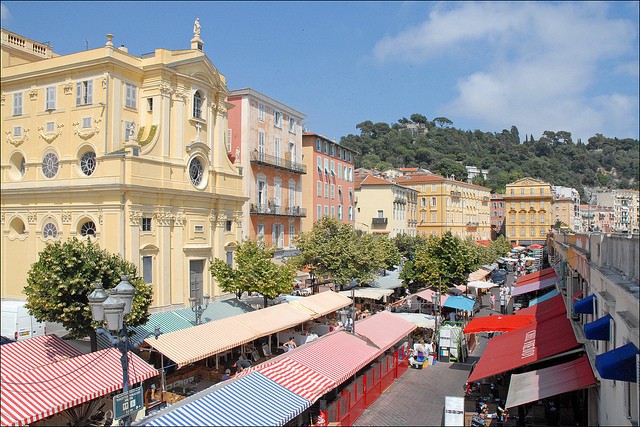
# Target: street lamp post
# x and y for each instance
(197, 305)
(110, 309)
(348, 314)
(435, 299)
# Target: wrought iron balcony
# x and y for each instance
(277, 162)
(277, 210)
(378, 221)
(456, 194)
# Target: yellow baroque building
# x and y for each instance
(127, 150)
(529, 211)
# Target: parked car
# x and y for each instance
(499, 276)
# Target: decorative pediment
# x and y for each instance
(87, 133)
(17, 140)
(198, 146)
(528, 181)
(50, 136)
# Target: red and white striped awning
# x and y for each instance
(37, 393)
(336, 356)
(23, 355)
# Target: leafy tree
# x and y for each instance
(334, 250)
(59, 283)
(254, 272)
(408, 245)
(443, 121)
(448, 167)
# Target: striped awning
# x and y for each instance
(273, 319)
(28, 354)
(336, 356)
(324, 303)
(35, 394)
(253, 400)
(384, 329)
(193, 344)
(368, 293)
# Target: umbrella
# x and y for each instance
(535, 246)
(481, 285)
(500, 323)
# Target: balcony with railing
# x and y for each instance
(277, 210)
(278, 162)
(456, 194)
(379, 221)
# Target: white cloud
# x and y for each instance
(542, 62)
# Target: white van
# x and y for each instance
(18, 324)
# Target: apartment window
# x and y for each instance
(147, 269)
(513, 205)
(380, 213)
(17, 131)
(542, 191)
(531, 191)
(277, 119)
(326, 166)
(84, 92)
(523, 232)
(276, 149)
(434, 217)
(292, 125)
(260, 231)
(333, 211)
(319, 188)
(130, 96)
(319, 163)
(350, 213)
(333, 167)
(512, 192)
(318, 145)
(50, 126)
(227, 225)
(197, 105)
(86, 122)
(533, 231)
(533, 218)
(350, 196)
(50, 230)
(17, 104)
(146, 224)
(326, 148)
(149, 104)
(326, 190)
(318, 211)
(542, 218)
(541, 204)
(50, 98)
(339, 170)
(127, 130)
(340, 192)
(423, 202)
(522, 218)
(522, 191)
(340, 212)
(326, 210)
(433, 201)
(229, 258)
(333, 191)
(261, 112)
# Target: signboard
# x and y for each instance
(453, 411)
(445, 337)
(127, 403)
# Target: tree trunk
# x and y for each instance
(266, 300)
(94, 340)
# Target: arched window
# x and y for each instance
(88, 163)
(196, 171)
(50, 230)
(197, 105)
(88, 229)
(50, 165)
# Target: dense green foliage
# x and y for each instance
(254, 272)
(64, 275)
(334, 250)
(445, 260)
(439, 147)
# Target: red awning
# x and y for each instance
(547, 273)
(384, 329)
(23, 355)
(525, 345)
(35, 394)
(548, 382)
(498, 323)
(336, 356)
(535, 286)
(546, 309)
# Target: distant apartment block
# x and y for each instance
(529, 210)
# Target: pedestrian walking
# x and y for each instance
(492, 301)
(503, 302)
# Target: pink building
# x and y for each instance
(328, 185)
(265, 140)
(497, 215)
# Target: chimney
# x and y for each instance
(123, 48)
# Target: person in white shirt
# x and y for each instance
(419, 354)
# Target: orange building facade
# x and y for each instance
(265, 141)
(328, 185)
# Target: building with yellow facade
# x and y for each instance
(384, 207)
(126, 150)
(563, 212)
(445, 204)
(529, 211)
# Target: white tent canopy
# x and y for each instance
(481, 285)
(368, 293)
(418, 319)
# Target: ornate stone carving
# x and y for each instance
(68, 88)
(17, 140)
(165, 89)
(3, 98)
(32, 217)
(50, 136)
(135, 217)
(87, 133)
(180, 95)
(164, 219)
(33, 94)
(2, 218)
(103, 82)
(66, 217)
(238, 218)
(180, 219)
(100, 217)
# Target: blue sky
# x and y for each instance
(539, 66)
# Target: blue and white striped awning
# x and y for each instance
(236, 404)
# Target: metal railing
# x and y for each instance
(379, 220)
(273, 209)
(278, 162)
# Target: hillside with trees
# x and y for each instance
(441, 148)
